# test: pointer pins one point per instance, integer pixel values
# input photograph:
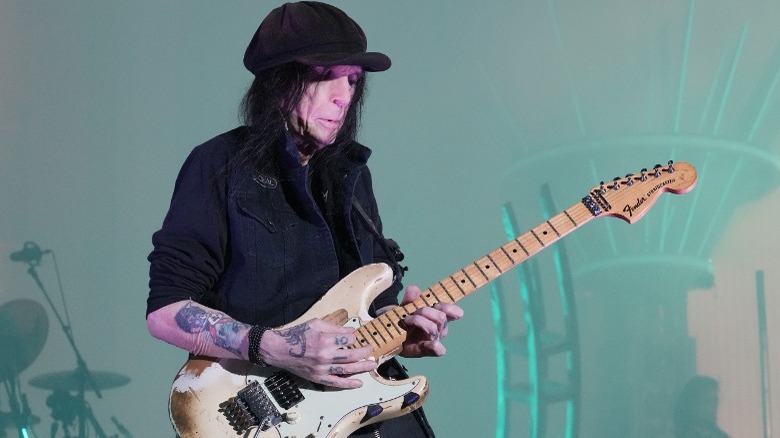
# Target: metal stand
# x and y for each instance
(72, 405)
(766, 392)
(67, 408)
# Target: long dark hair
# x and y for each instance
(270, 100)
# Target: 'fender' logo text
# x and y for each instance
(631, 208)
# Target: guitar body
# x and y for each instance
(228, 398)
(205, 388)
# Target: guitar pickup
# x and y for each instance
(284, 389)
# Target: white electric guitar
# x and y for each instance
(229, 398)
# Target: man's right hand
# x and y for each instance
(317, 351)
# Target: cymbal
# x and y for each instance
(73, 381)
(23, 330)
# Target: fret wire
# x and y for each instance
(502, 259)
(469, 279)
(435, 296)
(508, 255)
(458, 285)
(423, 296)
(517, 239)
(378, 331)
(452, 299)
(537, 237)
(553, 228)
(363, 338)
(511, 245)
(368, 332)
(481, 271)
(391, 322)
(398, 317)
(530, 244)
(500, 271)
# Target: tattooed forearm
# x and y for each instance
(217, 328)
(295, 337)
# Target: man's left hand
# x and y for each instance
(427, 326)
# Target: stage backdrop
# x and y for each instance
(100, 103)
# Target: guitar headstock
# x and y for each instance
(629, 198)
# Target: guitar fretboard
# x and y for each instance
(632, 196)
(386, 333)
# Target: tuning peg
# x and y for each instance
(629, 179)
(616, 180)
(643, 175)
(657, 169)
(671, 167)
(602, 190)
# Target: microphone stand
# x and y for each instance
(82, 371)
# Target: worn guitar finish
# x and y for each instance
(228, 398)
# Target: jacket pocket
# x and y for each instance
(262, 230)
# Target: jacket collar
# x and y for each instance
(354, 154)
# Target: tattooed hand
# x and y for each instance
(317, 351)
(427, 326)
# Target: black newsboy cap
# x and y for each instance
(311, 33)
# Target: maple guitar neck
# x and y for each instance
(628, 198)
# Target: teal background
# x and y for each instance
(100, 102)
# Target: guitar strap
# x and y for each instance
(390, 246)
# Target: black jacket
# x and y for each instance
(264, 247)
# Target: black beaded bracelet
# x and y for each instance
(255, 334)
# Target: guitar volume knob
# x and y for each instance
(292, 417)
